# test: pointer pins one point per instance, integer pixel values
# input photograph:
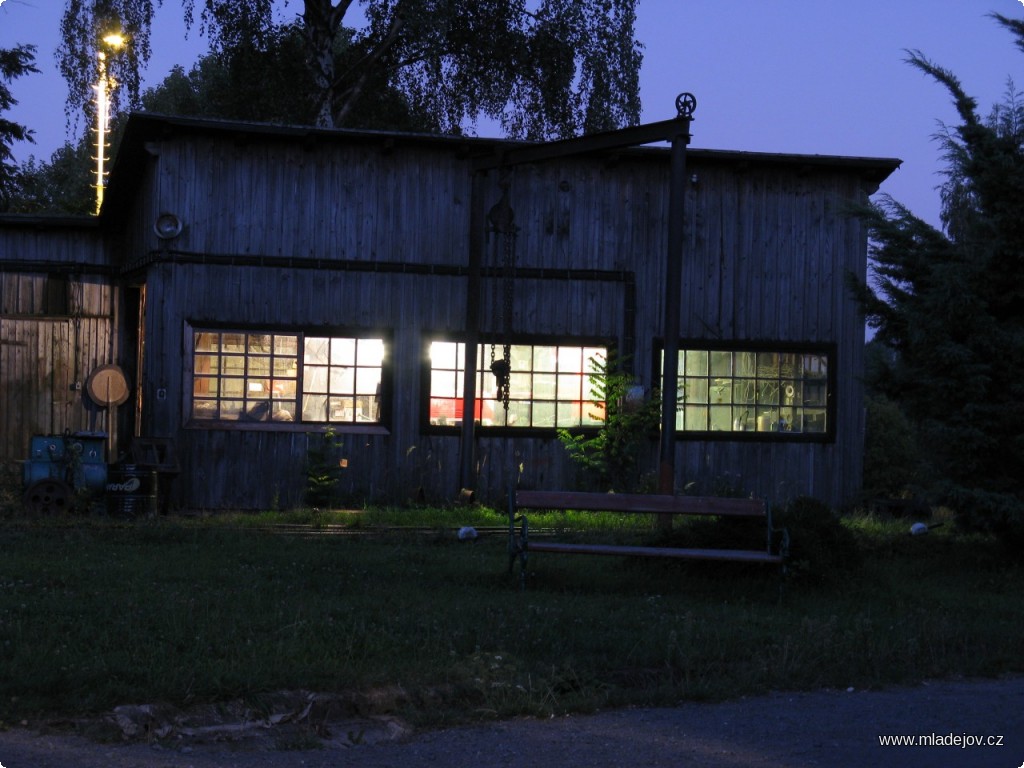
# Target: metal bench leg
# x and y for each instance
(517, 543)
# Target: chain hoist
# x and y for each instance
(502, 221)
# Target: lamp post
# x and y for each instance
(104, 87)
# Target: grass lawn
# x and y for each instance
(95, 613)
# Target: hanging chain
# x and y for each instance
(507, 266)
(502, 223)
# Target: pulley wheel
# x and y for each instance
(48, 497)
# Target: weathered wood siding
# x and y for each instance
(307, 233)
(57, 303)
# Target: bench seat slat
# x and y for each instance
(743, 555)
(639, 503)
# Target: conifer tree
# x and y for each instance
(14, 63)
(950, 303)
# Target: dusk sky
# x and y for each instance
(793, 76)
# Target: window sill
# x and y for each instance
(285, 426)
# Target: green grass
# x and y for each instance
(94, 614)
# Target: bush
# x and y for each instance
(613, 458)
(892, 460)
(821, 548)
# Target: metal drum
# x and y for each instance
(131, 491)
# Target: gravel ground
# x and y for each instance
(838, 729)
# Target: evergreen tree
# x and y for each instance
(951, 305)
(14, 63)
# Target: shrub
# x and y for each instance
(613, 457)
(821, 548)
(322, 471)
(892, 460)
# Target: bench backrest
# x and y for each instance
(641, 502)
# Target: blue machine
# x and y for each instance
(61, 465)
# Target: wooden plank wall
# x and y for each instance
(57, 300)
(45, 360)
(767, 247)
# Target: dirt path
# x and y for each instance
(838, 729)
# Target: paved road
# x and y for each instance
(837, 729)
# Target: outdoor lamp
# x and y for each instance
(104, 87)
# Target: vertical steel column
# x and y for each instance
(477, 223)
(685, 104)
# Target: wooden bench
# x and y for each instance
(520, 545)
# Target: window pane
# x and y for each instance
(696, 417)
(743, 364)
(519, 413)
(594, 359)
(696, 362)
(284, 389)
(232, 342)
(314, 408)
(316, 351)
(206, 342)
(768, 364)
(545, 359)
(721, 363)
(744, 391)
(543, 414)
(570, 359)
(570, 387)
(696, 390)
(204, 386)
(593, 413)
(233, 364)
(522, 357)
(285, 367)
(445, 411)
(721, 418)
(342, 380)
(443, 355)
(519, 385)
(259, 365)
(442, 383)
(231, 409)
(343, 351)
(341, 409)
(286, 345)
(259, 343)
(813, 420)
(207, 364)
(768, 392)
(367, 381)
(568, 414)
(204, 409)
(232, 387)
(314, 378)
(371, 352)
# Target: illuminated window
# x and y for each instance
(550, 386)
(286, 377)
(785, 393)
(341, 379)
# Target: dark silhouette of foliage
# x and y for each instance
(612, 456)
(950, 304)
(550, 69)
(14, 63)
(269, 82)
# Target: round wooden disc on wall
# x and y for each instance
(107, 385)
